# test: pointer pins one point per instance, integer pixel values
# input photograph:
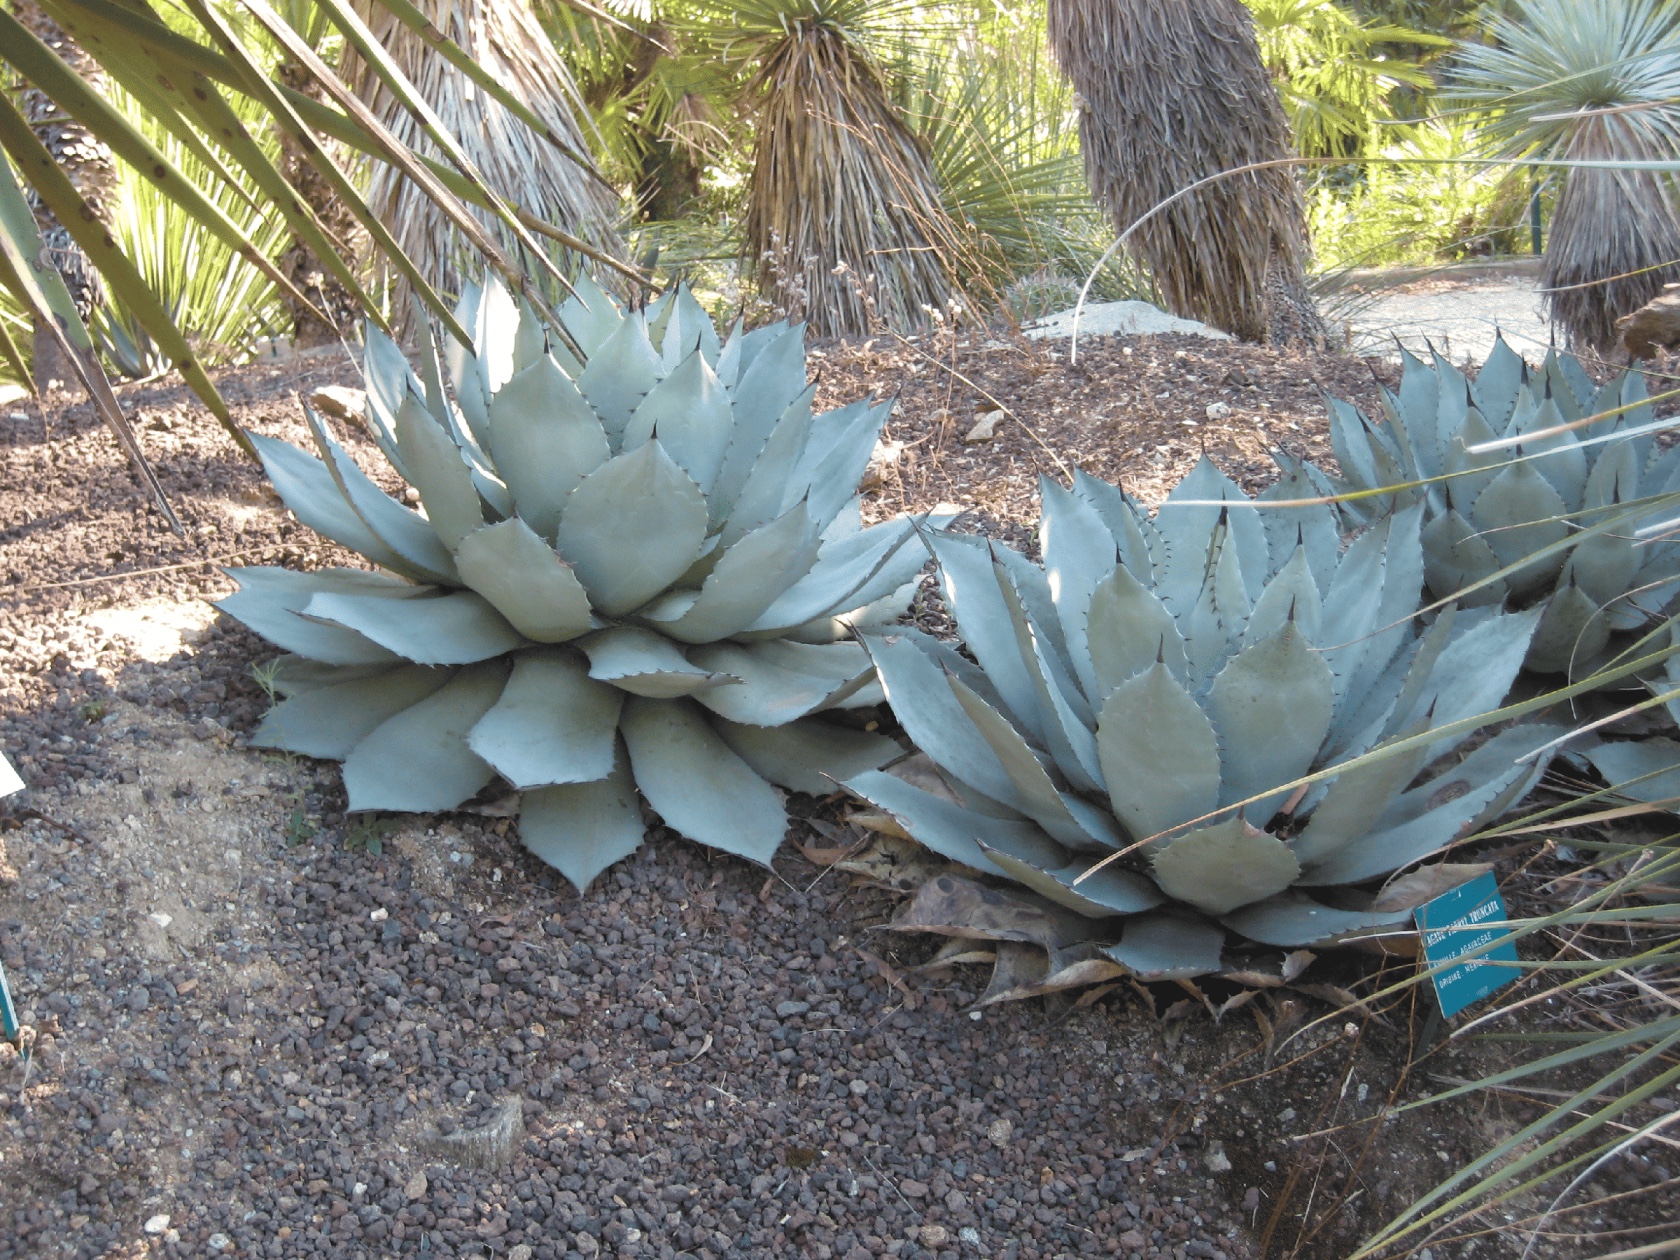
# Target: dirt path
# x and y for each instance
(264, 1026)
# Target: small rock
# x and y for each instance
(1218, 410)
(1251, 1199)
(379, 915)
(521, 1251)
(138, 998)
(985, 428)
(340, 402)
(956, 1201)
(969, 1235)
(785, 1010)
(586, 1244)
(157, 1224)
(913, 1189)
(858, 1087)
(933, 1236)
(1001, 1131)
(1133, 1240)
(218, 1242)
(1216, 1160)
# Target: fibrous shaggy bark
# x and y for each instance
(1173, 91)
(299, 262)
(506, 39)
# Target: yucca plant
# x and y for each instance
(1589, 80)
(640, 574)
(1499, 506)
(1163, 685)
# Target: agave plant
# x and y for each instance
(1163, 684)
(1496, 508)
(639, 573)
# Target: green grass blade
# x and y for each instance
(14, 356)
(78, 218)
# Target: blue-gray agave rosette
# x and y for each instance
(1500, 510)
(1156, 672)
(639, 573)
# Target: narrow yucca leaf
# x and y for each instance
(451, 52)
(71, 93)
(14, 356)
(398, 155)
(85, 228)
(42, 289)
(182, 90)
(249, 78)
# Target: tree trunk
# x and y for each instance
(1173, 91)
(92, 171)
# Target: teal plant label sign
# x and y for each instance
(1454, 924)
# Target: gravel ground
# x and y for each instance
(1458, 316)
(295, 1034)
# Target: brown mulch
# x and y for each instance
(712, 1062)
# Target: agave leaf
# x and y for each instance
(1188, 532)
(1127, 631)
(1030, 857)
(924, 704)
(807, 755)
(1476, 669)
(748, 578)
(1169, 945)
(1293, 528)
(781, 681)
(553, 723)
(580, 829)
(1206, 637)
(645, 664)
(418, 761)
(433, 463)
(330, 721)
(620, 373)
(1041, 799)
(1414, 413)
(1559, 458)
(590, 314)
(269, 599)
(406, 533)
(1517, 515)
(1615, 476)
(530, 339)
(700, 787)
(1293, 920)
(1454, 557)
(525, 580)
(1355, 453)
(1141, 548)
(1421, 671)
(843, 568)
(1402, 586)
(1655, 762)
(1271, 707)
(969, 579)
(309, 490)
(767, 492)
(1160, 756)
(1443, 809)
(834, 477)
(545, 441)
(429, 629)
(771, 378)
(1223, 866)
(1604, 565)
(691, 415)
(632, 527)
(1356, 801)
(1290, 597)
(293, 675)
(1497, 384)
(938, 823)
(495, 330)
(1572, 632)
(1079, 554)
(1063, 713)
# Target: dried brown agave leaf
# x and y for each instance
(958, 907)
